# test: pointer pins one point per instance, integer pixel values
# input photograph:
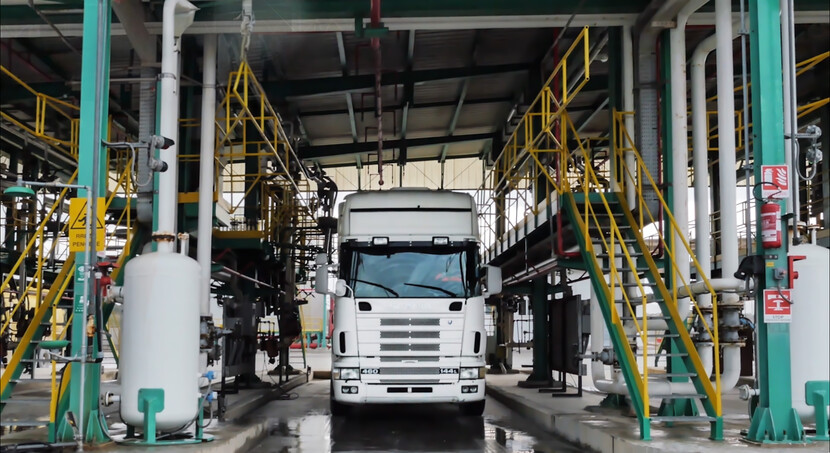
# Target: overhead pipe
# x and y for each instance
(700, 152)
(206, 179)
(628, 106)
(662, 386)
(700, 157)
(656, 17)
(375, 13)
(131, 16)
(726, 137)
(680, 148)
(790, 114)
(177, 16)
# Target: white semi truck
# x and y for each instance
(409, 300)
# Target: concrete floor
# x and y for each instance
(304, 425)
(580, 420)
(516, 420)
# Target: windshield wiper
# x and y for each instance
(449, 293)
(378, 285)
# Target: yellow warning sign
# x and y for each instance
(77, 225)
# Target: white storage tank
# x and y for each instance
(160, 337)
(809, 332)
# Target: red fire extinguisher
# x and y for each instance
(770, 225)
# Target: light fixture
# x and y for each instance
(19, 191)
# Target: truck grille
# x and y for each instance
(410, 322)
(410, 347)
(416, 358)
(394, 334)
(409, 370)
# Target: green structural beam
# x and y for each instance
(327, 85)
(541, 374)
(774, 419)
(83, 393)
(316, 152)
(408, 104)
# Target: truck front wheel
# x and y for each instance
(472, 409)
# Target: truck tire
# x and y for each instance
(472, 409)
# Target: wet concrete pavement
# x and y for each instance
(304, 425)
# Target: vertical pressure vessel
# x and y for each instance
(809, 332)
(160, 337)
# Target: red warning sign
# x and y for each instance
(777, 307)
(776, 180)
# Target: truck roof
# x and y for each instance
(412, 214)
(409, 197)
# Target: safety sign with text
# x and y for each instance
(778, 305)
(77, 225)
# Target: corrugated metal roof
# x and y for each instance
(437, 91)
(499, 85)
(476, 115)
(506, 46)
(443, 49)
(429, 119)
(304, 55)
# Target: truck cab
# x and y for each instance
(409, 300)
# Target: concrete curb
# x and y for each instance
(257, 399)
(573, 427)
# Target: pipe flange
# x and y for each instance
(707, 310)
(737, 305)
(738, 342)
(163, 236)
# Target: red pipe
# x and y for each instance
(375, 14)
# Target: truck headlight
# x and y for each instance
(345, 374)
(473, 373)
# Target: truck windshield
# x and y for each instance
(410, 272)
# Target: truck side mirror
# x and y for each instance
(321, 280)
(493, 280)
(341, 288)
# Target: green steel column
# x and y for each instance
(83, 401)
(539, 302)
(774, 420)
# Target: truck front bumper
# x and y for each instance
(359, 392)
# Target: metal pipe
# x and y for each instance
(790, 113)
(178, 15)
(680, 145)
(131, 16)
(204, 245)
(661, 386)
(454, 23)
(628, 106)
(700, 160)
(744, 32)
(206, 169)
(375, 13)
(726, 136)
(700, 157)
